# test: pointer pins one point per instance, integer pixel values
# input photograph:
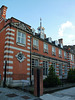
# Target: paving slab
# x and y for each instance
(66, 94)
(14, 94)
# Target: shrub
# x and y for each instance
(71, 76)
(52, 79)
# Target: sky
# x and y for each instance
(58, 16)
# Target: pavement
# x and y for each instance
(66, 94)
(15, 94)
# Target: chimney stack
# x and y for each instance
(3, 10)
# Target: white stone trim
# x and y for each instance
(40, 62)
(1, 20)
(63, 69)
(28, 64)
(28, 68)
(28, 43)
(8, 72)
(8, 33)
(8, 56)
(8, 51)
(8, 67)
(50, 64)
(28, 47)
(28, 55)
(8, 29)
(28, 78)
(8, 78)
(9, 42)
(28, 59)
(28, 73)
(28, 36)
(57, 71)
(15, 48)
(9, 38)
(11, 62)
(28, 40)
(57, 65)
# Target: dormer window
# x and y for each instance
(45, 48)
(53, 51)
(60, 53)
(35, 44)
(42, 36)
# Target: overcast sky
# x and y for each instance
(58, 16)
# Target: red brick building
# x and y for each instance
(23, 49)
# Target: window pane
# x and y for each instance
(37, 42)
(60, 69)
(19, 39)
(19, 33)
(23, 35)
(45, 67)
(22, 41)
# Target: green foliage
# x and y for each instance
(52, 79)
(71, 76)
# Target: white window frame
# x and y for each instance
(65, 54)
(35, 43)
(65, 70)
(21, 38)
(53, 50)
(54, 65)
(60, 70)
(60, 53)
(34, 64)
(46, 47)
(45, 67)
(72, 57)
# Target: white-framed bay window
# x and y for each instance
(21, 38)
(45, 48)
(35, 43)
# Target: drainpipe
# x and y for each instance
(4, 83)
(30, 59)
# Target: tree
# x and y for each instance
(71, 76)
(52, 79)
